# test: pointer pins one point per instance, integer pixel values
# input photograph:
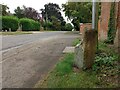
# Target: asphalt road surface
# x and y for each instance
(12, 41)
(28, 58)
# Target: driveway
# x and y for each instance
(24, 66)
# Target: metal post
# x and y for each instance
(95, 6)
(93, 13)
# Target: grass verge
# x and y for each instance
(14, 33)
(76, 41)
(104, 73)
(63, 76)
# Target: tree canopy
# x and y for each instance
(5, 10)
(27, 12)
(78, 12)
(52, 13)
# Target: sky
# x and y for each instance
(36, 4)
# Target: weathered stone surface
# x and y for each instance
(79, 56)
(89, 45)
(85, 52)
(69, 50)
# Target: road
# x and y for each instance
(18, 40)
(24, 66)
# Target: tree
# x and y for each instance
(27, 12)
(53, 12)
(68, 27)
(5, 10)
(78, 12)
(56, 23)
(19, 12)
(31, 13)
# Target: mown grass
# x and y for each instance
(14, 33)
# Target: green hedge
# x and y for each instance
(68, 27)
(9, 22)
(29, 24)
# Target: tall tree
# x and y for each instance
(27, 12)
(52, 10)
(5, 10)
(19, 12)
(78, 12)
(56, 23)
(31, 13)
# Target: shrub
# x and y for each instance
(29, 24)
(10, 22)
(105, 57)
(47, 25)
(68, 27)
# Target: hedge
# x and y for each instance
(29, 24)
(48, 25)
(9, 22)
(68, 27)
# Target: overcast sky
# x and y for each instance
(36, 4)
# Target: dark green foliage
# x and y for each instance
(50, 10)
(29, 24)
(4, 10)
(47, 25)
(52, 13)
(19, 12)
(27, 12)
(80, 10)
(112, 27)
(68, 27)
(105, 57)
(9, 22)
(56, 23)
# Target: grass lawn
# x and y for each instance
(104, 73)
(14, 33)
